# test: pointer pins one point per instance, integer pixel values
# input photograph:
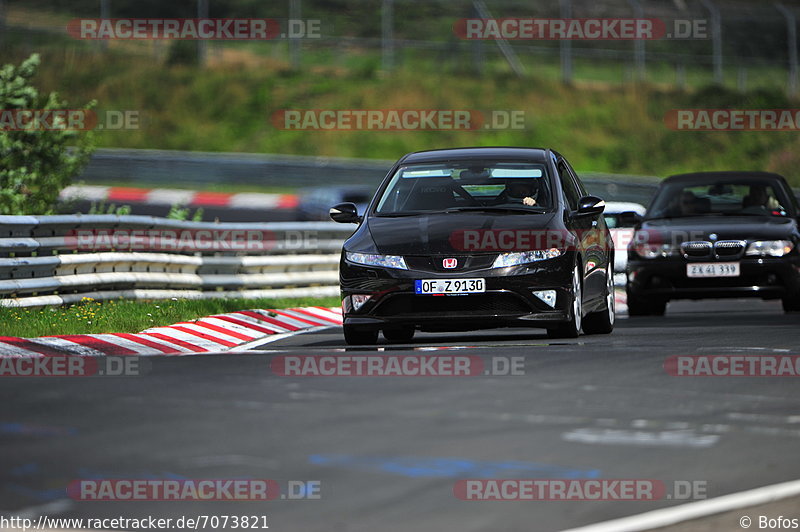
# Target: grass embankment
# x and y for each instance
(94, 317)
(600, 126)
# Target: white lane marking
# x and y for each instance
(664, 438)
(275, 337)
(695, 510)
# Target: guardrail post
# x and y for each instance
(294, 42)
(639, 52)
(202, 45)
(791, 33)
(387, 34)
(105, 12)
(565, 45)
(716, 37)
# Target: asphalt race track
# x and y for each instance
(388, 450)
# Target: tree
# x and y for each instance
(36, 163)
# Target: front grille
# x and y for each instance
(696, 250)
(729, 249)
(406, 305)
(464, 262)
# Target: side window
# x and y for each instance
(581, 189)
(571, 194)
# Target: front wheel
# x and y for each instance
(602, 321)
(572, 327)
(359, 336)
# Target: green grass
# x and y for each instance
(94, 317)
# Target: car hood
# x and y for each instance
(725, 228)
(443, 233)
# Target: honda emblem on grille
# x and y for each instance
(449, 263)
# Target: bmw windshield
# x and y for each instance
(755, 197)
(465, 186)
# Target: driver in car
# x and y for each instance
(522, 191)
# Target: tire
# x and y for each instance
(638, 306)
(399, 335)
(602, 321)
(572, 327)
(791, 304)
(359, 336)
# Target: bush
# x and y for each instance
(36, 164)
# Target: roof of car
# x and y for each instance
(713, 177)
(499, 152)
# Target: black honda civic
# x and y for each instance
(716, 235)
(474, 238)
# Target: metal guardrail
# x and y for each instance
(51, 260)
(45, 260)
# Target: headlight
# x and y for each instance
(513, 259)
(771, 248)
(384, 261)
(651, 251)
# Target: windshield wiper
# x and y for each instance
(493, 208)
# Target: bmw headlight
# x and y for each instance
(769, 248)
(652, 251)
(524, 257)
(383, 261)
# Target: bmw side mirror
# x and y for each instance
(590, 206)
(345, 213)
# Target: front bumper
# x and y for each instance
(507, 302)
(766, 278)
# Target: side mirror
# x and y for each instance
(629, 219)
(590, 206)
(345, 213)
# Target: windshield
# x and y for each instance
(468, 186)
(679, 200)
